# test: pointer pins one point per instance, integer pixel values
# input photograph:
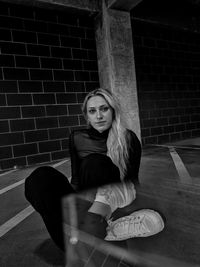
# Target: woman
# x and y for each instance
(105, 156)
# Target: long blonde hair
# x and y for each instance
(117, 143)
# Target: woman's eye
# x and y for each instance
(91, 111)
(104, 109)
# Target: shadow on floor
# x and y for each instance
(50, 254)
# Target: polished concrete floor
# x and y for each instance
(170, 183)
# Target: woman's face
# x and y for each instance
(99, 113)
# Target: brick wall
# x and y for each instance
(168, 80)
(47, 65)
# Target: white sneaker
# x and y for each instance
(141, 223)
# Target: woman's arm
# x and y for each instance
(75, 163)
(134, 158)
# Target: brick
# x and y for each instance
(38, 50)
(60, 154)
(179, 127)
(4, 127)
(79, 53)
(51, 63)
(21, 11)
(175, 137)
(163, 138)
(90, 65)
(88, 44)
(27, 62)
(75, 86)
(150, 140)
(15, 74)
(22, 125)
(75, 109)
(63, 75)
(68, 121)
(56, 110)
(92, 55)
(58, 133)
(81, 97)
(12, 48)
(45, 123)
(66, 98)
(82, 76)
(43, 15)
(70, 42)
(156, 131)
(32, 160)
(2, 100)
(19, 99)
(39, 99)
(5, 34)
(9, 112)
(77, 32)
(11, 23)
(41, 74)
(85, 21)
(24, 36)
(10, 163)
(69, 19)
(82, 120)
(90, 34)
(174, 120)
(7, 61)
(89, 86)
(49, 146)
(60, 29)
(94, 76)
(24, 150)
(72, 64)
(149, 123)
(61, 52)
(48, 39)
(33, 111)
(35, 26)
(4, 9)
(54, 86)
(30, 86)
(11, 138)
(5, 152)
(65, 144)
(162, 121)
(145, 132)
(35, 136)
(8, 86)
(168, 129)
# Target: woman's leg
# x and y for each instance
(44, 189)
(97, 170)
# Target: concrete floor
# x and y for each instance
(170, 183)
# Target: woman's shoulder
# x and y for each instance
(132, 137)
(76, 134)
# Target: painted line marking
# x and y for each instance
(5, 189)
(18, 218)
(180, 167)
(4, 173)
(14, 221)
(177, 146)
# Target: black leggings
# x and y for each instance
(45, 187)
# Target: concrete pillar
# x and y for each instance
(116, 61)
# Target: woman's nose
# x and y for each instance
(99, 114)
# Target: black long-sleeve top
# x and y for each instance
(86, 141)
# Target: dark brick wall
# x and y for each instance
(47, 65)
(168, 79)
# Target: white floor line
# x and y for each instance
(18, 218)
(180, 167)
(4, 173)
(14, 221)
(5, 189)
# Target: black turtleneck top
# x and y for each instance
(87, 141)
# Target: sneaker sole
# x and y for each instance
(152, 215)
